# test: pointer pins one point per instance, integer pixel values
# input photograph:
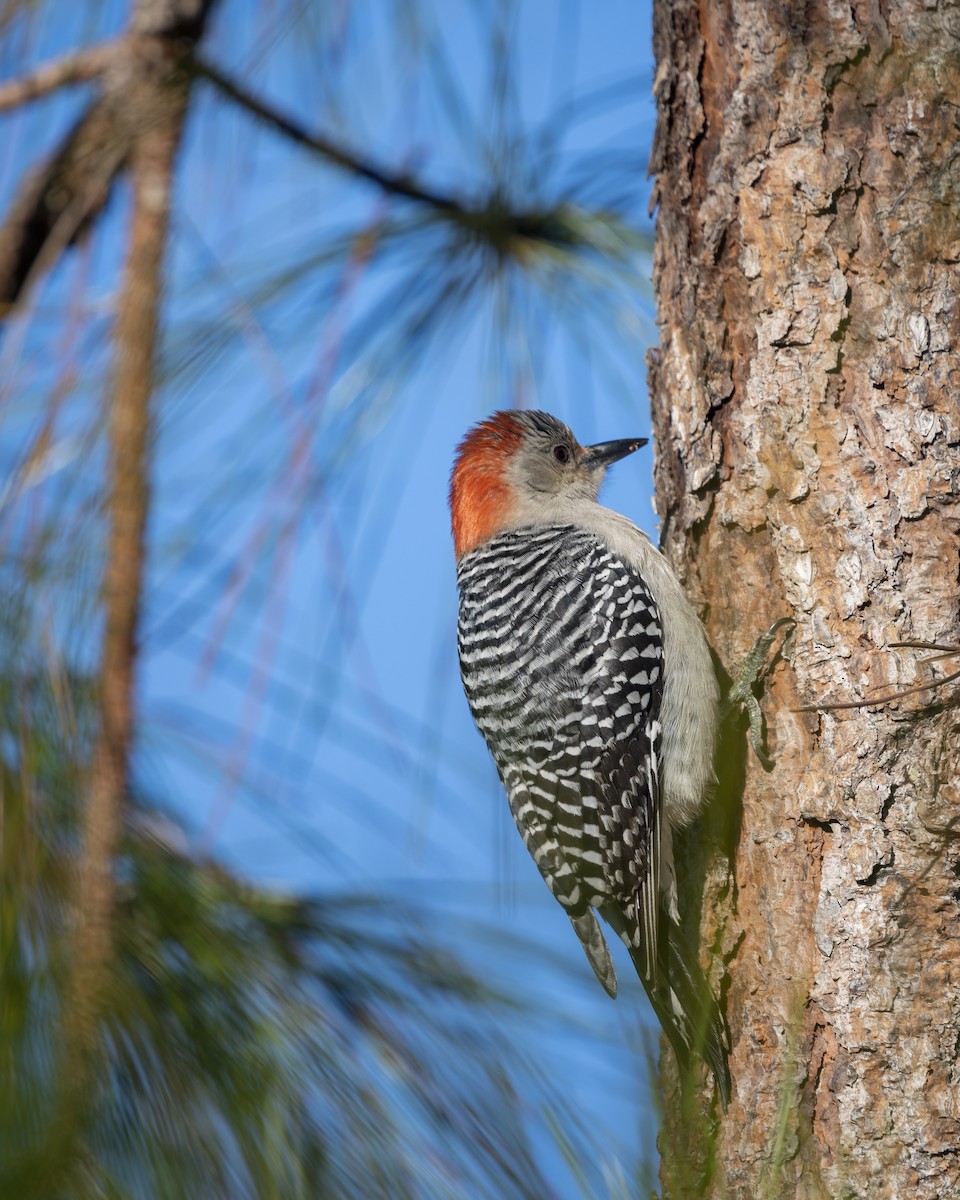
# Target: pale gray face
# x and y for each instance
(551, 462)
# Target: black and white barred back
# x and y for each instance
(561, 654)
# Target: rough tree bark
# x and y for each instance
(806, 400)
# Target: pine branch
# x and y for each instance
(491, 220)
(393, 182)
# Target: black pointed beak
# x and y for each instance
(605, 453)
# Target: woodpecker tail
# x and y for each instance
(688, 1010)
(595, 947)
(681, 997)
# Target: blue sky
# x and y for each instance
(302, 710)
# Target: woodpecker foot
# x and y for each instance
(741, 695)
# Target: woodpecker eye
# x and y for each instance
(561, 454)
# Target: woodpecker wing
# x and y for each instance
(561, 658)
(630, 785)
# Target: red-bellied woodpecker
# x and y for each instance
(589, 676)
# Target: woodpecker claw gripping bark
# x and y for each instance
(590, 678)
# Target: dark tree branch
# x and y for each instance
(491, 219)
(390, 181)
(58, 200)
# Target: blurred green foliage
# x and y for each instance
(253, 1044)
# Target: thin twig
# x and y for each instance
(389, 181)
(944, 652)
(70, 69)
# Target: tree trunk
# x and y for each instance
(157, 93)
(136, 333)
(805, 401)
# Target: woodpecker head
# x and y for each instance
(515, 468)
